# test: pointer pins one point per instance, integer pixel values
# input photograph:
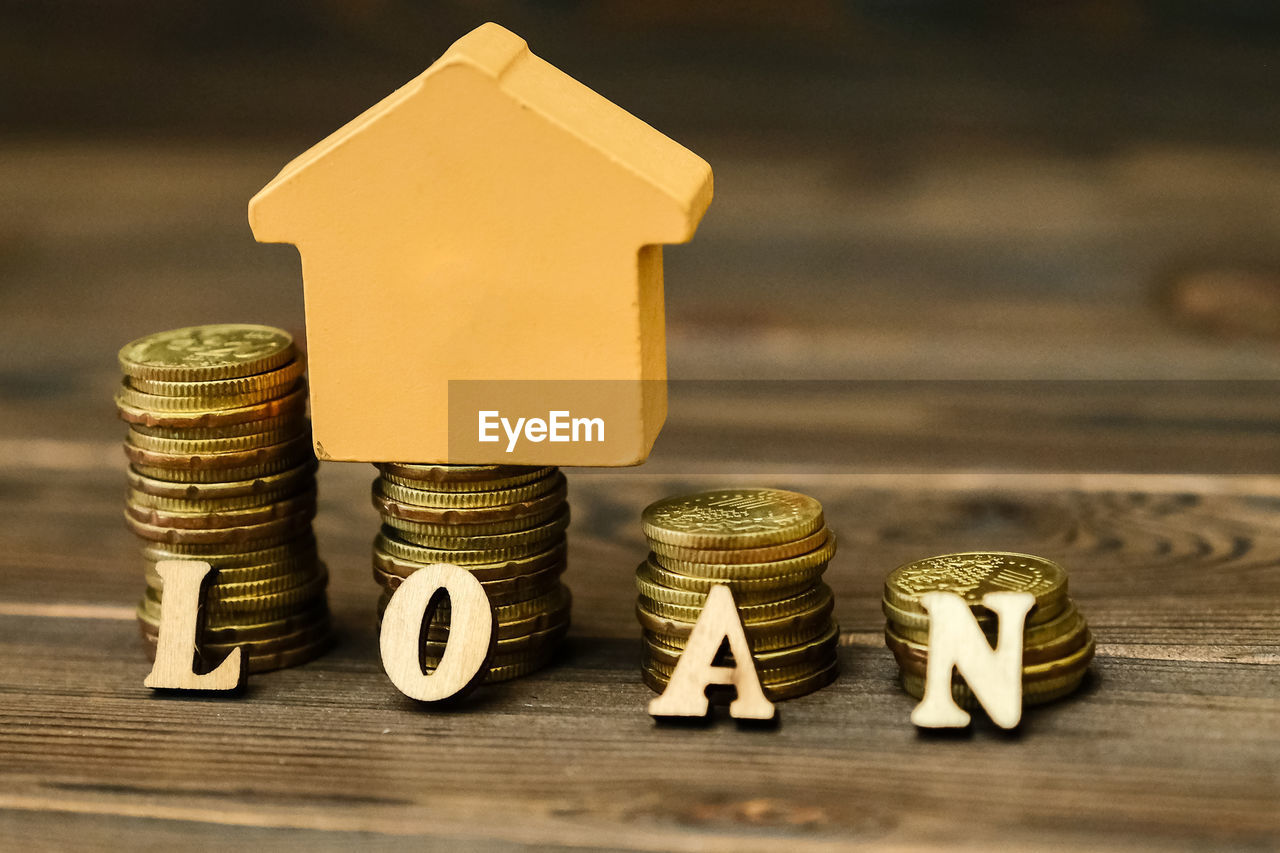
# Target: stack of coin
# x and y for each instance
(503, 523)
(222, 471)
(1057, 645)
(770, 547)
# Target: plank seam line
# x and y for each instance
(58, 610)
(58, 454)
(392, 822)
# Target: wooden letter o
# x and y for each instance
(470, 633)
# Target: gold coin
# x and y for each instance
(986, 619)
(130, 396)
(218, 617)
(533, 613)
(765, 635)
(917, 654)
(1042, 632)
(289, 423)
(275, 603)
(1037, 693)
(820, 648)
(512, 648)
(750, 614)
(291, 478)
(284, 658)
(421, 529)
(262, 585)
(460, 478)
(202, 446)
(768, 642)
(542, 533)
(216, 520)
(777, 692)
(759, 588)
(550, 602)
(222, 388)
(197, 353)
(732, 518)
(542, 650)
(467, 500)
(224, 558)
(465, 486)
(470, 518)
(216, 505)
(540, 654)
(790, 566)
(972, 575)
(765, 554)
(262, 654)
(208, 476)
(782, 691)
(653, 591)
(767, 675)
(502, 631)
(523, 587)
(257, 535)
(1077, 659)
(285, 570)
(290, 404)
(293, 449)
(271, 661)
(217, 589)
(654, 681)
(318, 630)
(1034, 634)
(237, 631)
(509, 651)
(439, 628)
(394, 557)
(773, 675)
(256, 603)
(504, 591)
(494, 674)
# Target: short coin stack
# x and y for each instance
(222, 472)
(503, 523)
(770, 547)
(1057, 645)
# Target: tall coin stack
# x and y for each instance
(1057, 645)
(770, 547)
(222, 471)
(503, 523)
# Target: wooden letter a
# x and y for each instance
(182, 585)
(956, 641)
(470, 631)
(686, 694)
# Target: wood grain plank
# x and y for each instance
(1173, 743)
(333, 746)
(864, 254)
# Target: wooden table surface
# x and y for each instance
(969, 350)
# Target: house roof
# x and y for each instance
(605, 127)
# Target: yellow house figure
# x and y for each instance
(493, 219)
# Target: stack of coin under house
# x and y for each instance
(503, 523)
(1057, 645)
(770, 547)
(222, 471)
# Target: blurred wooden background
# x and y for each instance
(996, 275)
